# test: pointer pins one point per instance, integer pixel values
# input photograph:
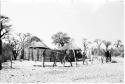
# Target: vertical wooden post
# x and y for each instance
(75, 57)
(10, 52)
(38, 54)
(11, 60)
(28, 54)
(32, 54)
(43, 58)
(35, 55)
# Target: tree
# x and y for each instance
(24, 41)
(107, 44)
(4, 30)
(60, 39)
(16, 48)
(118, 43)
(119, 47)
(98, 43)
(14, 43)
(85, 46)
(107, 52)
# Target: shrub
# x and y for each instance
(6, 52)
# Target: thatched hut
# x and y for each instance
(35, 51)
(72, 47)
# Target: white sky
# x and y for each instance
(89, 19)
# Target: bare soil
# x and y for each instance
(33, 72)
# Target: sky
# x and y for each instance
(91, 19)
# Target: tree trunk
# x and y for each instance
(0, 53)
(22, 54)
(106, 54)
(83, 57)
(14, 54)
(98, 51)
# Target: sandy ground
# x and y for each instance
(31, 72)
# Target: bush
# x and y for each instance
(5, 58)
(117, 52)
(6, 52)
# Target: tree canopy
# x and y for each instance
(118, 43)
(98, 42)
(107, 44)
(85, 44)
(4, 26)
(60, 39)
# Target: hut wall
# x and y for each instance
(35, 54)
(31, 54)
(40, 54)
(28, 54)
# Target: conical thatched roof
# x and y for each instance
(39, 44)
(70, 46)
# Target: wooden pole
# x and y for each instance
(11, 61)
(11, 57)
(28, 54)
(38, 54)
(35, 55)
(43, 58)
(75, 57)
(32, 54)
(30, 58)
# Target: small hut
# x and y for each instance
(71, 46)
(35, 51)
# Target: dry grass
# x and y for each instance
(25, 72)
